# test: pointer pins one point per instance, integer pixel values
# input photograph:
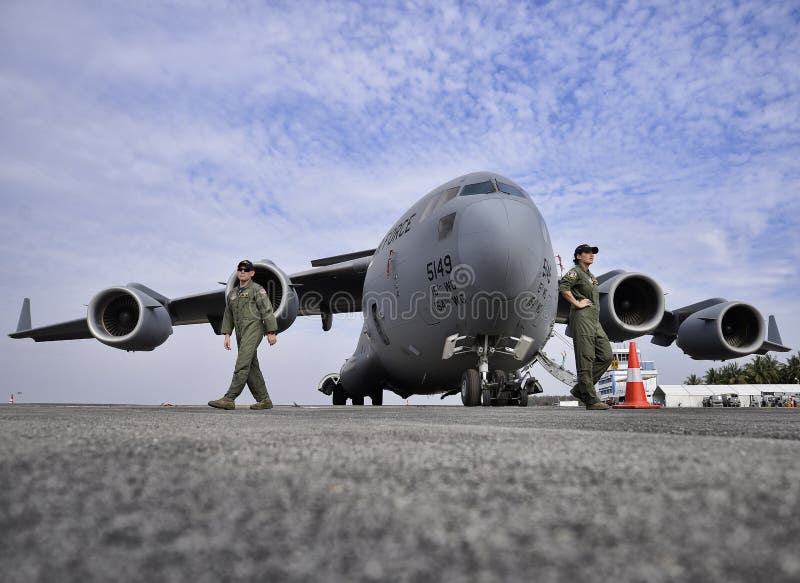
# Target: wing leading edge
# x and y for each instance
(72, 330)
(334, 285)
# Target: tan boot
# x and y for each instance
(265, 404)
(223, 403)
(599, 406)
(577, 395)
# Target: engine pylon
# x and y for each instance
(635, 397)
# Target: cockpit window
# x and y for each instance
(508, 189)
(478, 188)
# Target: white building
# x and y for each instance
(692, 395)
(612, 384)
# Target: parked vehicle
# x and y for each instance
(731, 400)
(713, 401)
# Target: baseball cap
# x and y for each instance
(585, 248)
(245, 263)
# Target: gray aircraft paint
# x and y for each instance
(499, 252)
(477, 269)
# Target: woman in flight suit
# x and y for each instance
(592, 348)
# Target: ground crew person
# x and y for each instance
(592, 348)
(249, 312)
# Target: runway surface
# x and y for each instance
(133, 493)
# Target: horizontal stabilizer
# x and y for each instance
(333, 260)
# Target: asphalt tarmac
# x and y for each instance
(134, 493)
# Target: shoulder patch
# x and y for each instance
(571, 274)
(262, 291)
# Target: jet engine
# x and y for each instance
(631, 304)
(128, 318)
(279, 289)
(725, 330)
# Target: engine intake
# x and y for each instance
(280, 292)
(129, 319)
(726, 330)
(631, 304)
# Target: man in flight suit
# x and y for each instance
(592, 348)
(249, 312)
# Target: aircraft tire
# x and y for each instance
(470, 388)
(358, 400)
(523, 398)
(486, 397)
(339, 396)
(377, 397)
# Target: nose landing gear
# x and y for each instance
(497, 392)
(480, 388)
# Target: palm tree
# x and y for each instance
(693, 379)
(764, 370)
(732, 374)
(790, 372)
(712, 377)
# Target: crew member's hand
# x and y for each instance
(272, 339)
(227, 342)
(584, 303)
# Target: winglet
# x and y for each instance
(773, 334)
(24, 316)
(773, 341)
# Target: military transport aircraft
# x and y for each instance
(459, 296)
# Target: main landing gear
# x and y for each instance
(329, 385)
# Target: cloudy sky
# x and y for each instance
(161, 142)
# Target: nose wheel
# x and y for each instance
(471, 388)
(478, 387)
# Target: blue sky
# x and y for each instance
(162, 142)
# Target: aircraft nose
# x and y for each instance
(483, 244)
(503, 246)
(501, 242)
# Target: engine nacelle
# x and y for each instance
(129, 319)
(280, 292)
(631, 305)
(726, 330)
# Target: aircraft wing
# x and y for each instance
(632, 305)
(72, 330)
(334, 285)
(198, 309)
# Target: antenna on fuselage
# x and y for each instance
(560, 265)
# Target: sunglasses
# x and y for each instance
(243, 270)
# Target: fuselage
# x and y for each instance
(473, 257)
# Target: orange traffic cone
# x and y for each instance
(634, 387)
